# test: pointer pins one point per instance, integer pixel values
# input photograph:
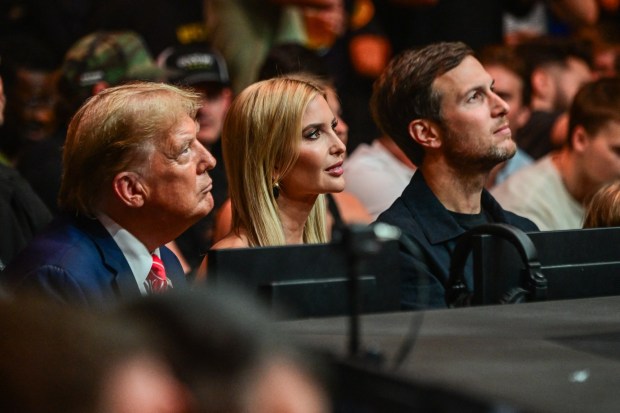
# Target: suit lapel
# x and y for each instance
(174, 270)
(122, 280)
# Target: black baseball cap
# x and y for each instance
(194, 64)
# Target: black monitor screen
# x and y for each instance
(310, 280)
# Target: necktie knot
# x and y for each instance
(156, 280)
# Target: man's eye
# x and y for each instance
(474, 96)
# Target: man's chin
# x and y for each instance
(207, 205)
(506, 151)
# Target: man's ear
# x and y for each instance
(541, 82)
(425, 133)
(579, 139)
(129, 189)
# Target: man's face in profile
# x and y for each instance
(176, 182)
(475, 131)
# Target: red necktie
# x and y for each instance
(156, 281)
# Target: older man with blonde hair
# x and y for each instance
(134, 178)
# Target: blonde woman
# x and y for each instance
(603, 209)
(282, 154)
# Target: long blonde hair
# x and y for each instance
(261, 141)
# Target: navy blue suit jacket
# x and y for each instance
(76, 260)
(427, 223)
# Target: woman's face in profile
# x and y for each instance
(318, 169)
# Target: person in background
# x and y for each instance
(30, 76)
(22, 212)
(378, 173)
(508, 73)
(556, 69)
(59, 359)
(603, 209)
(439, 105)
(135, 177)
(227, 353)
(94, 62)
(282, 154)
(245, 30)
(552, 192)
(202, 68)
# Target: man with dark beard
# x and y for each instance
(439, 106)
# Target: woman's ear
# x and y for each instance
(425, 133)
(129, 189)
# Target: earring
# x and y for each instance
(276, 190)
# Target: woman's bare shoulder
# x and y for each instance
(232, 240)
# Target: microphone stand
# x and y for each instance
(358, 241)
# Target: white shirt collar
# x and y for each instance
(137, 255)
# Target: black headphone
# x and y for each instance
(533, 284)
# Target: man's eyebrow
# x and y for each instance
(479, 87)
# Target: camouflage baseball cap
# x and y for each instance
(112, 57)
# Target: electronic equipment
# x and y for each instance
(563, 264)
(311, 280)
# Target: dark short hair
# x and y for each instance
(507, 57)
(595, 105)
(547, 50)
(404, 91)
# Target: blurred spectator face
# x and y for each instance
(284, 388)
(33, 103)
(143, 384)
(211, 115)
(509, 86)
(600, 154)
(605, 62)
(568, 80)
